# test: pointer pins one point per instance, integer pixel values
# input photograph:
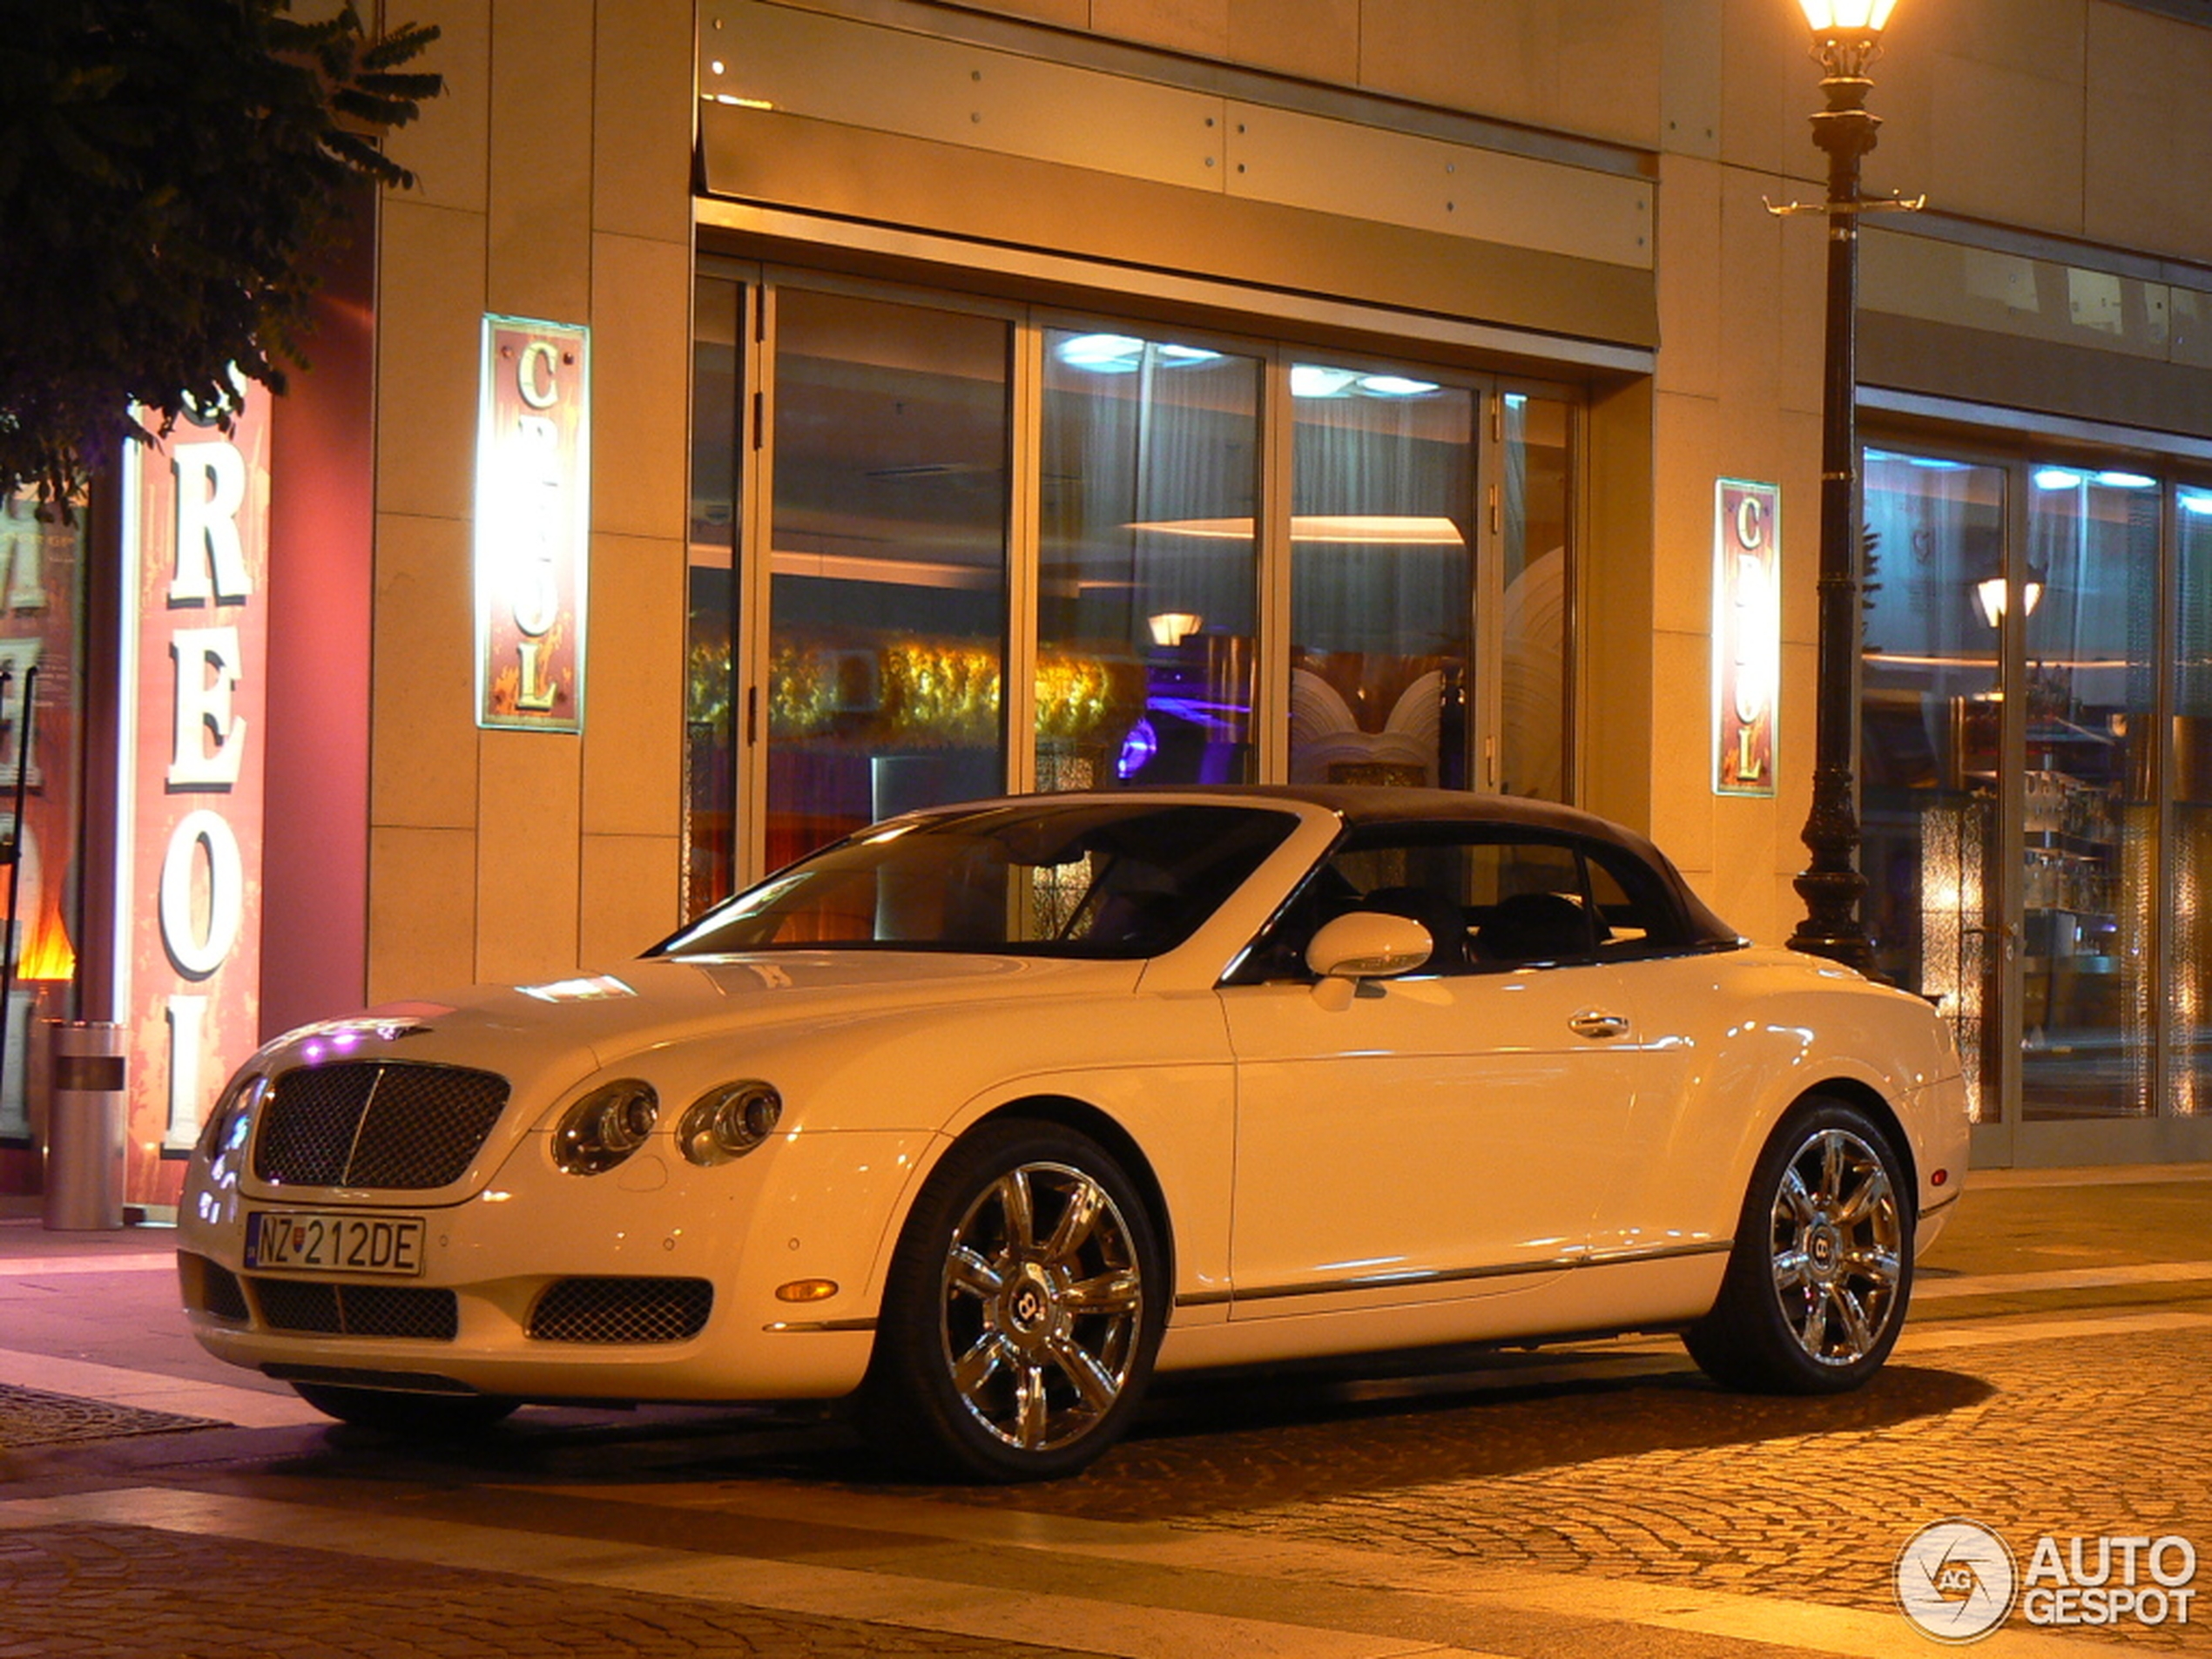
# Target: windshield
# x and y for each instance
(1078, 878)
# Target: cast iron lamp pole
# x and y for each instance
(1846, 34)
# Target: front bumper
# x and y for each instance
(655, 1281)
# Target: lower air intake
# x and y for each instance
(622, 1310)
(317, 1309)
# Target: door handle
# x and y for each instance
(1590, 1022)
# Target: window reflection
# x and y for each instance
(710, 670)
(1533, 617)
(2189, 942)
(1147, 562)
(1929, 728)
(1381, 578)
(888, 600)
(41, 564)
(2090, 827)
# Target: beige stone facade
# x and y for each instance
(558, 181)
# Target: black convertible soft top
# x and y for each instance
(1362, 805)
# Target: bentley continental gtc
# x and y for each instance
(980, 1117)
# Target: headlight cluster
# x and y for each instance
(615, 1119)
(728, 1123)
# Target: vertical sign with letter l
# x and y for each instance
(533, 523)
(1747, 634)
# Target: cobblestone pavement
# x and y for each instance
(1602, 1501)
(93, 1592)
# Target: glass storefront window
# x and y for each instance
(895, 495)
(1382, 567)
(2189, 914)
(887, 593)
(1147, 562)
(41, 578)
(1931, 714)
(2089, 826)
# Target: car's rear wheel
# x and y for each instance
(1821, 1273)
(1024, 1306)
(389, 1410)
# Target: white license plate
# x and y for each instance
(334, 1243)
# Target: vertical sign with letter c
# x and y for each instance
(1747, 634)
(533, 523)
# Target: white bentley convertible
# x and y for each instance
(988, 1112)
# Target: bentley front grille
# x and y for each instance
(316, 1308)
(373, 1124)
(622, 1310)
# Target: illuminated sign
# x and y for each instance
(195, 638)
(533, 523)
(1747, 634)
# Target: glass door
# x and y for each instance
(886, 613)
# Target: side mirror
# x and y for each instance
(1367, 944)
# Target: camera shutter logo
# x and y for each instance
(1956, 1580)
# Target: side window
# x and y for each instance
(1489, 905)
(1635, 915)
(1529, 905)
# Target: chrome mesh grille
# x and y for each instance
(321, 1309)
(622, 1310)
(366, 1123)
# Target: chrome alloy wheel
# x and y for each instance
(1838, 1245)
(1042, 1300)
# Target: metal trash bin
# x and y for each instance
(85, 1124)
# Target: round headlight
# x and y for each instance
(729, 1121)
(605, 1127)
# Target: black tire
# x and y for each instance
(430, 1416)
(1021, 1312)
(1821, 1274)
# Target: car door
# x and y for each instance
(1447, 1132)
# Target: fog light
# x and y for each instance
(605, 1127)
(807, 1289)
(729, 1121)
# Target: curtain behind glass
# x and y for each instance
(1148, 563)
(1381, 578)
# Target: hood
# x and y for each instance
(545, 1038)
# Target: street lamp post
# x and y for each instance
(1847, 36)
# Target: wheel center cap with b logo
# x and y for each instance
(1027, 1307)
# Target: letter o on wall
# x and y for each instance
(197, 954)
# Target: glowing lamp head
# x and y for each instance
(1859, 21)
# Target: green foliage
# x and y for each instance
(171, 171)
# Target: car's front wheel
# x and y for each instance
(1821, 1272)
(389, 1410)
(1024, 1307)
